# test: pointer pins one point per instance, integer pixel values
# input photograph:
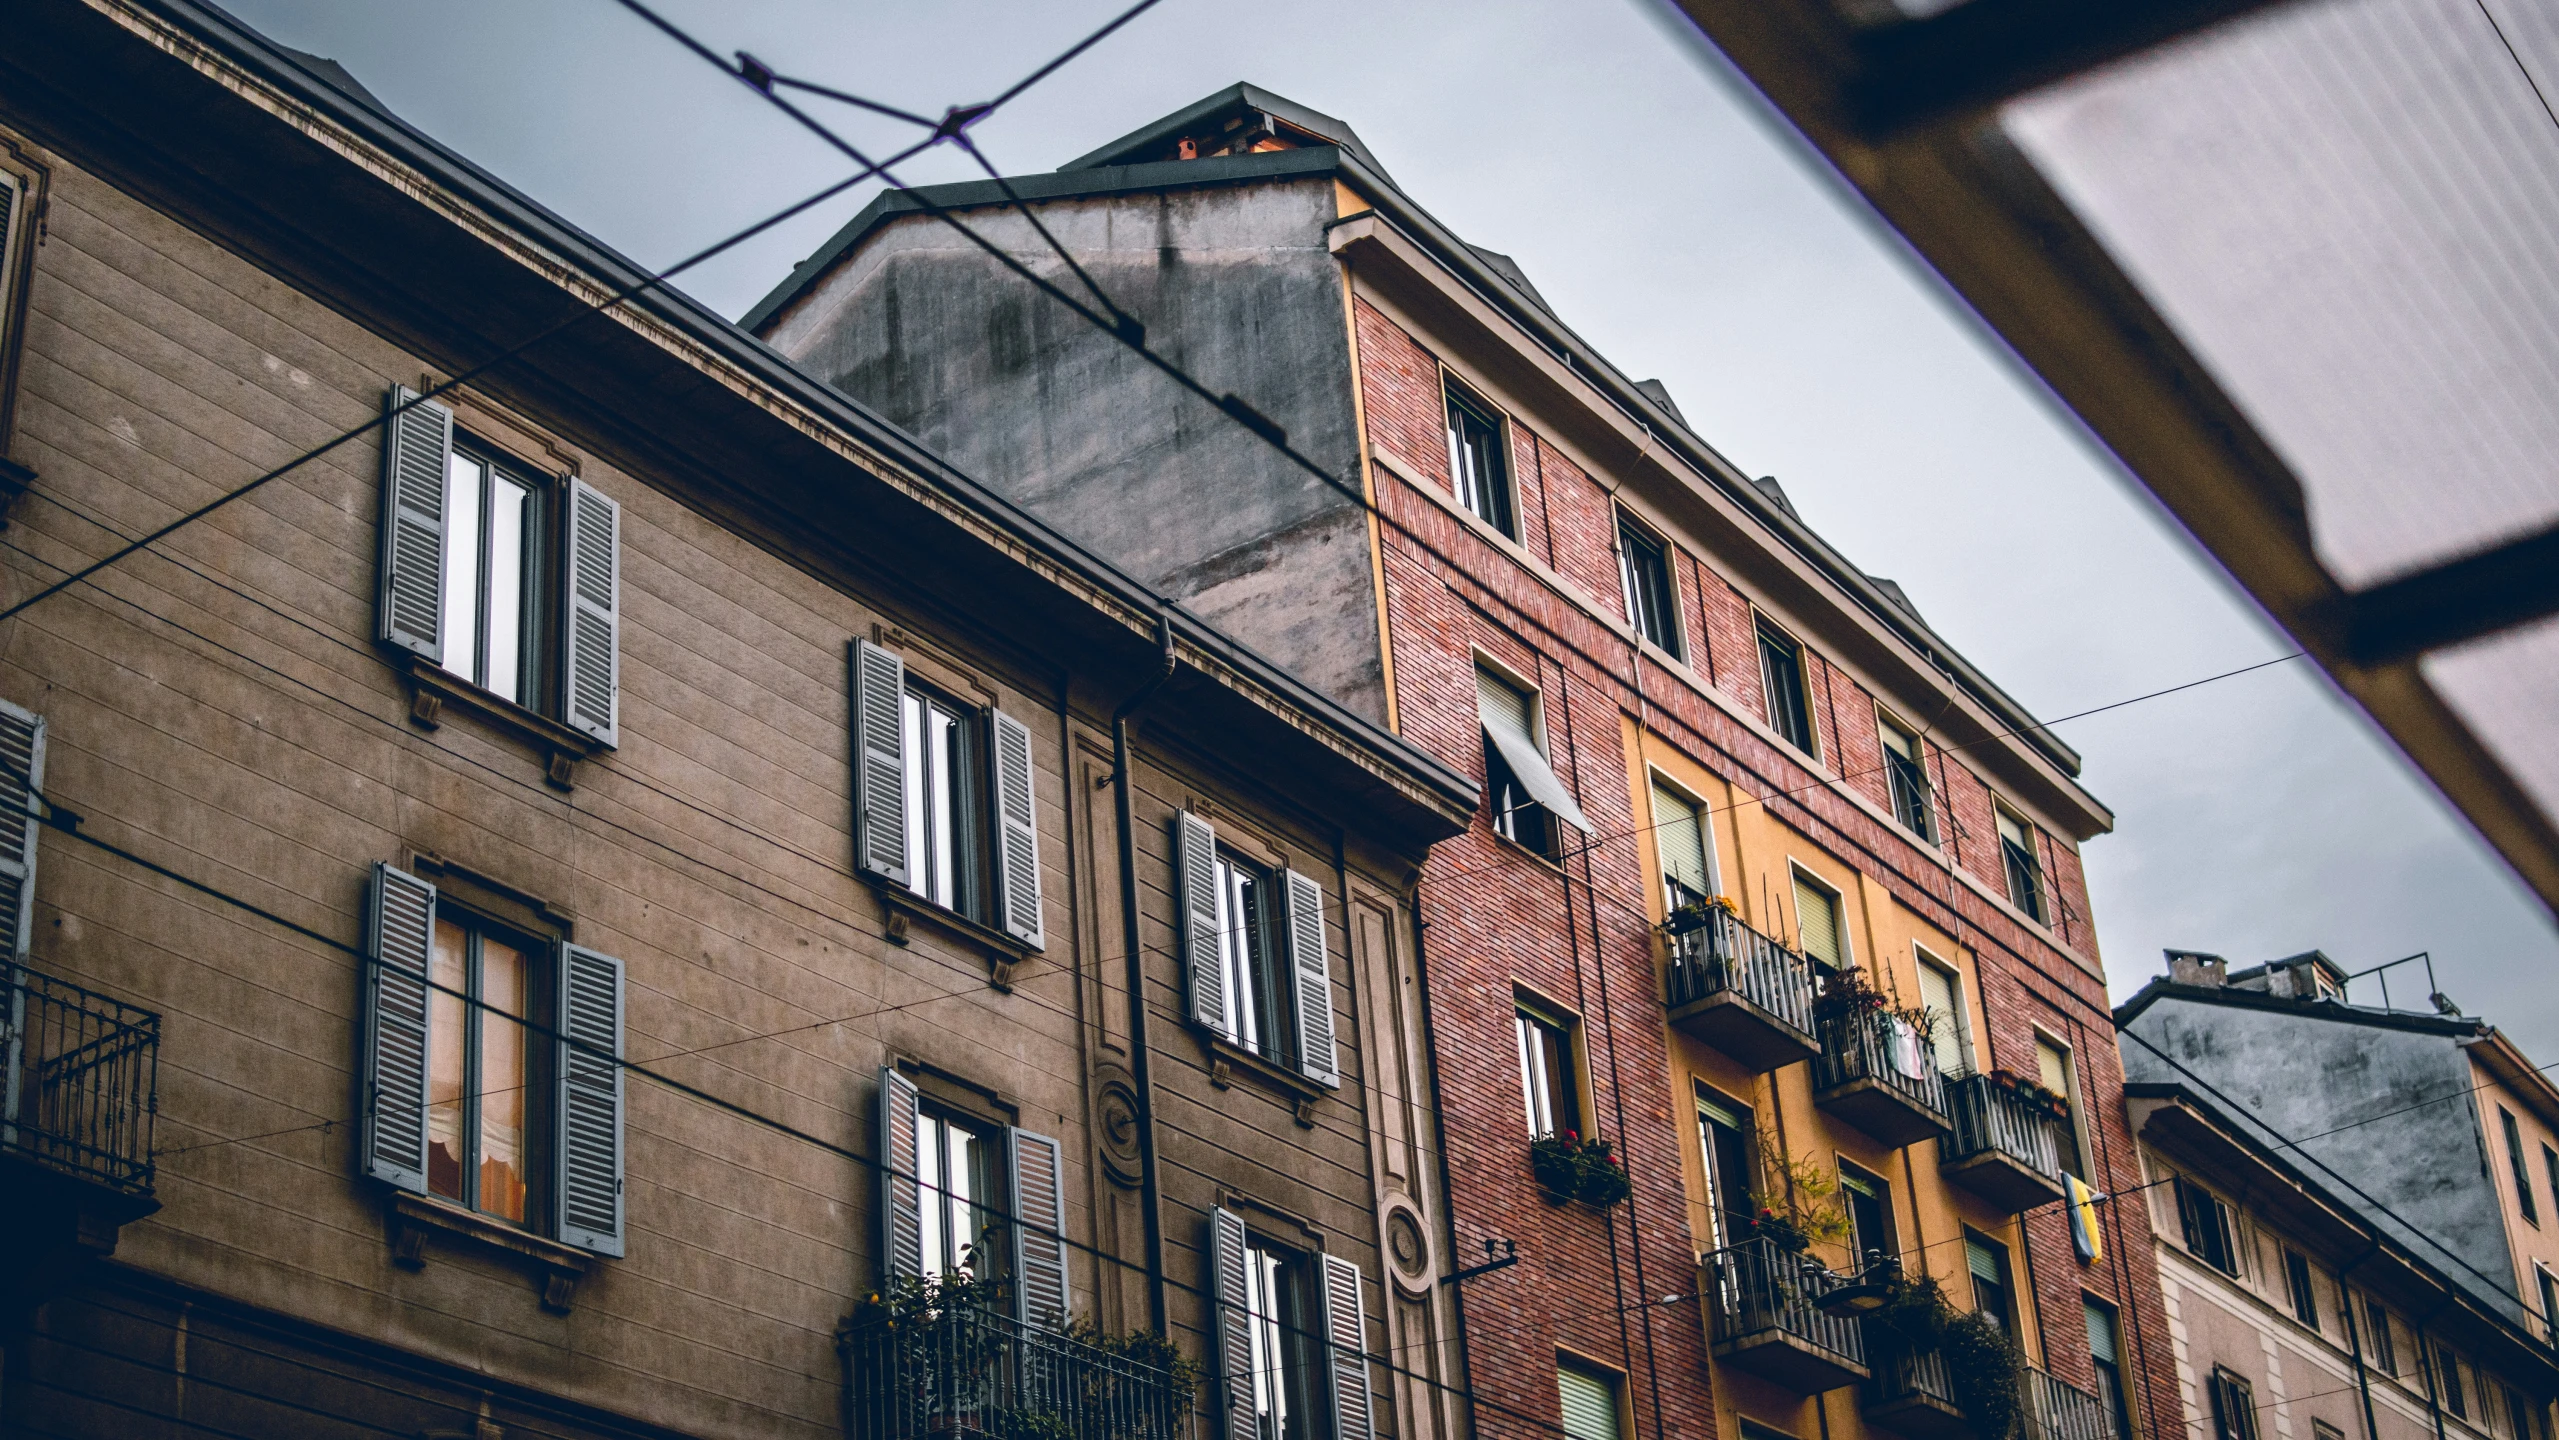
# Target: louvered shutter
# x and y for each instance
(1039, 1228)
(1588, 1405)
(1195, 870)
(417, 449)
(21, 777)
(1017, 833)
(901, 1238)
(1346, 1334)
(591, 650)
(1317, 1057)
(1234, 1324)
(399, 933)
(588, 1149)
(879, 761)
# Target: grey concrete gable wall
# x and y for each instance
(1236, 286)
(2418, 1148)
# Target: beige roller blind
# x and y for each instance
(1589, 1405)
(1679, 834)
(1945, 1038)
(1817, 924)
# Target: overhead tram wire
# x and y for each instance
(621, 297)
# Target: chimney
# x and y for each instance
(2194, 967)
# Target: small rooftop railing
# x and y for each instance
(969, 1372)
(79, 1079)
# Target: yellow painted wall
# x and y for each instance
(1754, 856)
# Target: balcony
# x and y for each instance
(79, 1076)
(967, 1372)
(1913, 1393)
(2006, 1149)
(2058, 1410)
(1875, 1072)
(1741, 992)
(1767, 1319)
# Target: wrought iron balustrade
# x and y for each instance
(1768, 1316)
(2059, 1410)
(1876, 1070)
(969, 1372)
(79, 1079)
(1738, 989)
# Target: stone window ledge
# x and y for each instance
(901, 909)
(433, 690)
(1226, 1060)
(554, 1267)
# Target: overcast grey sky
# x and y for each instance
(1669, 223)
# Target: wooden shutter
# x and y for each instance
(901, 1239)
(1317, 1056)
(1346, 1334)
(1039, 1228)
(1588, 1405)
(1195, 870)
(1234, 1325)
(591, 649)
(417, 449)
(1817, 923)
(879, 761)
(21, 777)
(399, 933)
(1017, 832)
(588, 1148)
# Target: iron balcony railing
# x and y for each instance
(79, 1079)
(968, 1372)
(2059, 1410)
(1902, 1373)
(1879, 1046)
(1725, 955)
(1991, 1117)
(1760, 1287)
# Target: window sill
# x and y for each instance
(900, 908)
(433, 689)
(1226, 1058)
(555, 1268)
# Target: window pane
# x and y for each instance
(960, 1162)
(448, 1050)
(510, 507)
(941, 732)
(502, 1080)
(918, 797)
(933, 1184)
(462, 566)
(1238, 941)
(1266, 1312)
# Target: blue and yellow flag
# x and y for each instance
(2083, 1221)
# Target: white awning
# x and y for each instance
(1535, 775)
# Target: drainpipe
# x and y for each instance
(1150, 1197)
(2355, 1337)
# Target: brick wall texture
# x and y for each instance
(1503, 925)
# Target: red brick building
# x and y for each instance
(1771, 891)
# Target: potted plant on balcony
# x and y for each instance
(1982, 1363)
(1797, 1205)
(1847, 993)
(1603, 1180)
(1696, 914)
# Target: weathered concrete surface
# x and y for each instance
(2384, 1103)
(1236, 286)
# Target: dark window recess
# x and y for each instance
(1994, 1294)
(1870, 1215)
(2207, 1225)
(1477, 467)
(1652, 597)
(1547, 1075)
(1724, 1130)
(1781, 675)
(945, 809)
(2025, 873)
(2385, 1350)
(2523, 1172)
(1516, 817)
(2549, 1285)
(2234, 1407)
(1259, 1015)
(2448, 1384)
(1906, 775)
(1284, 1323)
(2305, 1300)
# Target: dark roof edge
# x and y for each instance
(244, 46)
(2161, 988)
(1454, 253)
(1313, 122)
